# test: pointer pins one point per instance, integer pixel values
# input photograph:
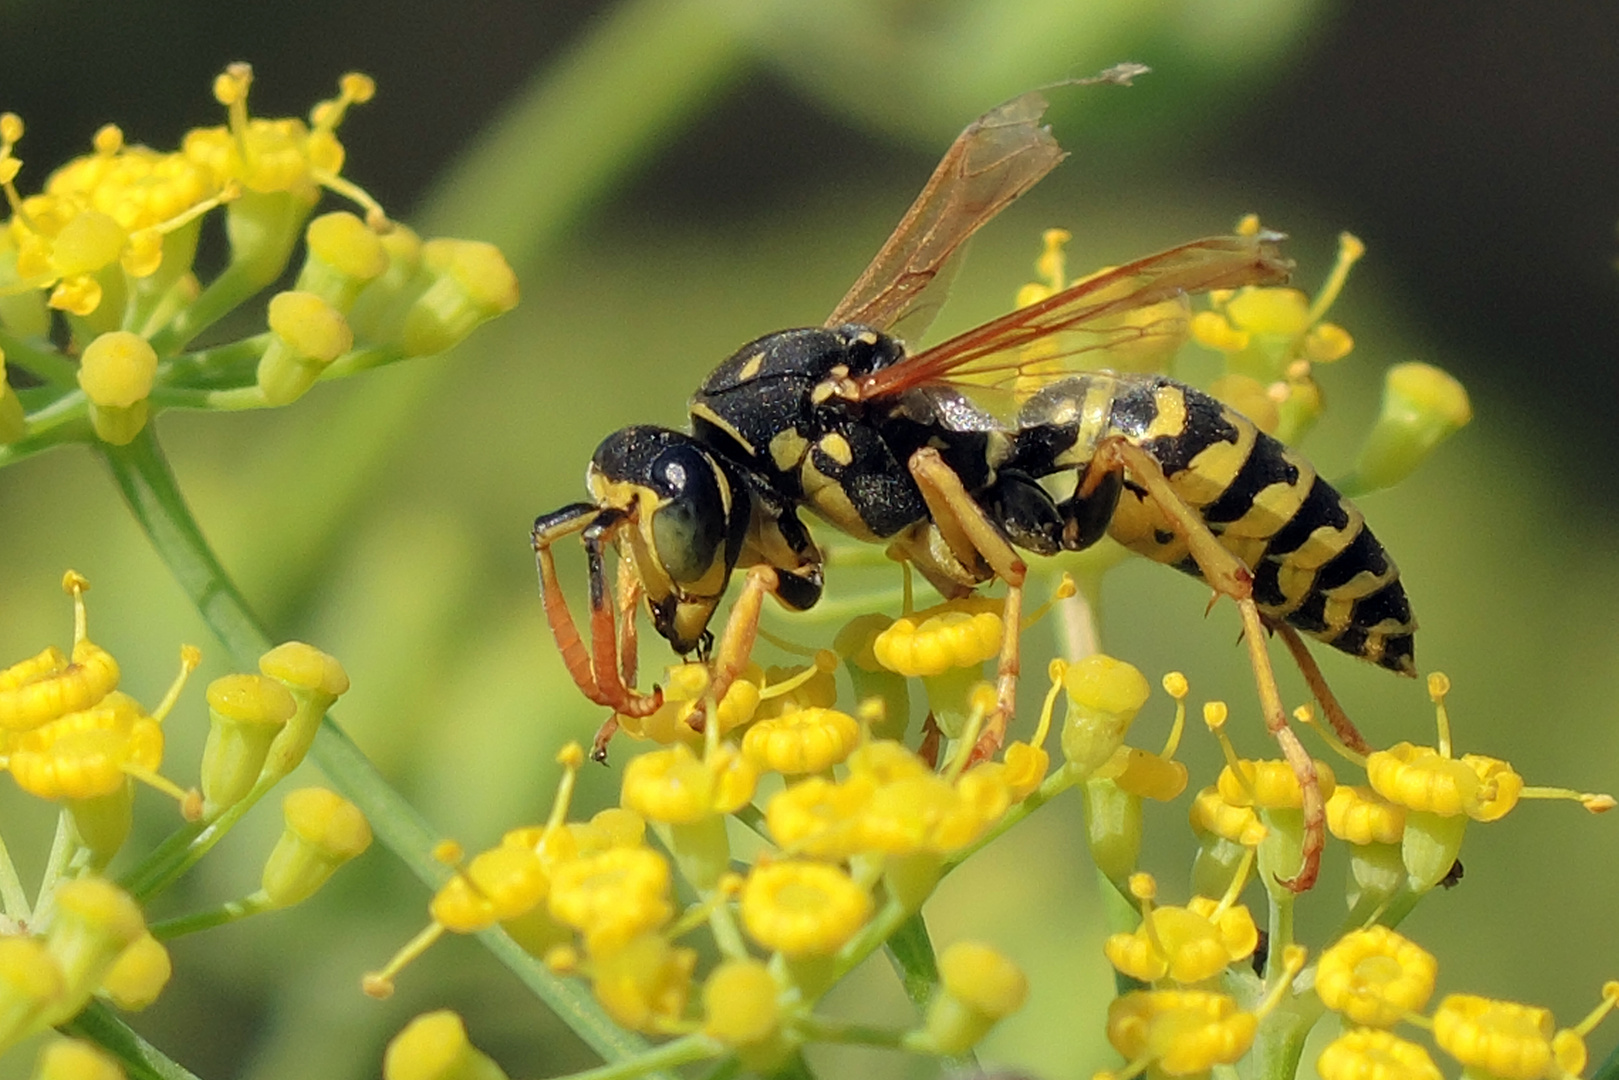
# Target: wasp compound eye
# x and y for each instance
(688, 523)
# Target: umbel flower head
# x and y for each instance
(107, 248)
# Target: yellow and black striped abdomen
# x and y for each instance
(1316, 564)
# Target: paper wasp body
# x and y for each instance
(910, 450)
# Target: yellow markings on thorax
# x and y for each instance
(751, 366)
(836, 447)
(826, 497)
(701, 411)
(836, 384)
(787, 449)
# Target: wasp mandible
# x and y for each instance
(909, 449)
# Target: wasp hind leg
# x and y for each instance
(972, 536)
(1227, 575)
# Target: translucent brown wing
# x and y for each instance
(997, 158)
(1064, 333)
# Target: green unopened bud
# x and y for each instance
(26, 314)
(308, 333)
(978, 987)
(95, 922)
(470, 283)
(30, 981)
(245, 714)
(76, 1059)
(315, 681)
(13, 421)
(263, 227)
(434, 1046)
(323, 831)
(343, 255)
(380, 307)
(1112, 829)
(1104, 696)
(139, 974)
(1429, 846)
(116, 373)
(1422, 406)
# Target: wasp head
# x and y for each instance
(683, 516)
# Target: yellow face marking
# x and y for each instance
(787, 449)
(708, 415)
(751, 367)
(866, 337)
(837, 448)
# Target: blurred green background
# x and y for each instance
(671, 178)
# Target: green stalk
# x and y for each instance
(140, 1059)
(143, 476)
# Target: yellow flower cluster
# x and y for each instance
(68, 735)
(107, 246)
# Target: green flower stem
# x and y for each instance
(1061, 779)
(235, 399)
(140, 1059)
(728, 1069)
(1609, 1069)
(910, 950)
(12, 894)
(232, 364)
(227, 912)
(143, 476)
(827, 1029)
(681, 1051)
(48, 364)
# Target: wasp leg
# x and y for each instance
(581, 667)
(630, 591)
(741, 631)
(1228, 576)
(1341, 724)
(603, 628)
(971, 535)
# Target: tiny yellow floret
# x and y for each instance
(434, 1046)
(801, 741)
(1503, 1039)
(1375, 977)
(76, 1059)
(803, 909)
(1371, 1054)
(117, 369)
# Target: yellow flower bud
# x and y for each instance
(801, 741)
(343, 255)
(470, 282)
(1422, 406)
(1369, 1054)
(643, 983)
(309, 333)
(30, 980)
(95, 922)
(434, 1046)
(323, 831)
(116, 373)
(245, 713)
(1498, 1038)
(1104, 696)
(139, 975)
(315, 680)
(978, 987)
(76, 1059)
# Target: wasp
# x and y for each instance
(950, 455)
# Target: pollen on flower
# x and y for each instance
(1372, 1054)
(802, 909)
(1359, 815)
(674, 786)
(612, 896)
(1269, 784)
(958, 634)
(1505, 1039)
(801, 741)
(1375, 977)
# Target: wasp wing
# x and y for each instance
(997, 158)
(1130, 306)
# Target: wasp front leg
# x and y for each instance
(972, 536)
(596, 670)
(1227, 575)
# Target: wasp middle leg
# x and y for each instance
(970, 534)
